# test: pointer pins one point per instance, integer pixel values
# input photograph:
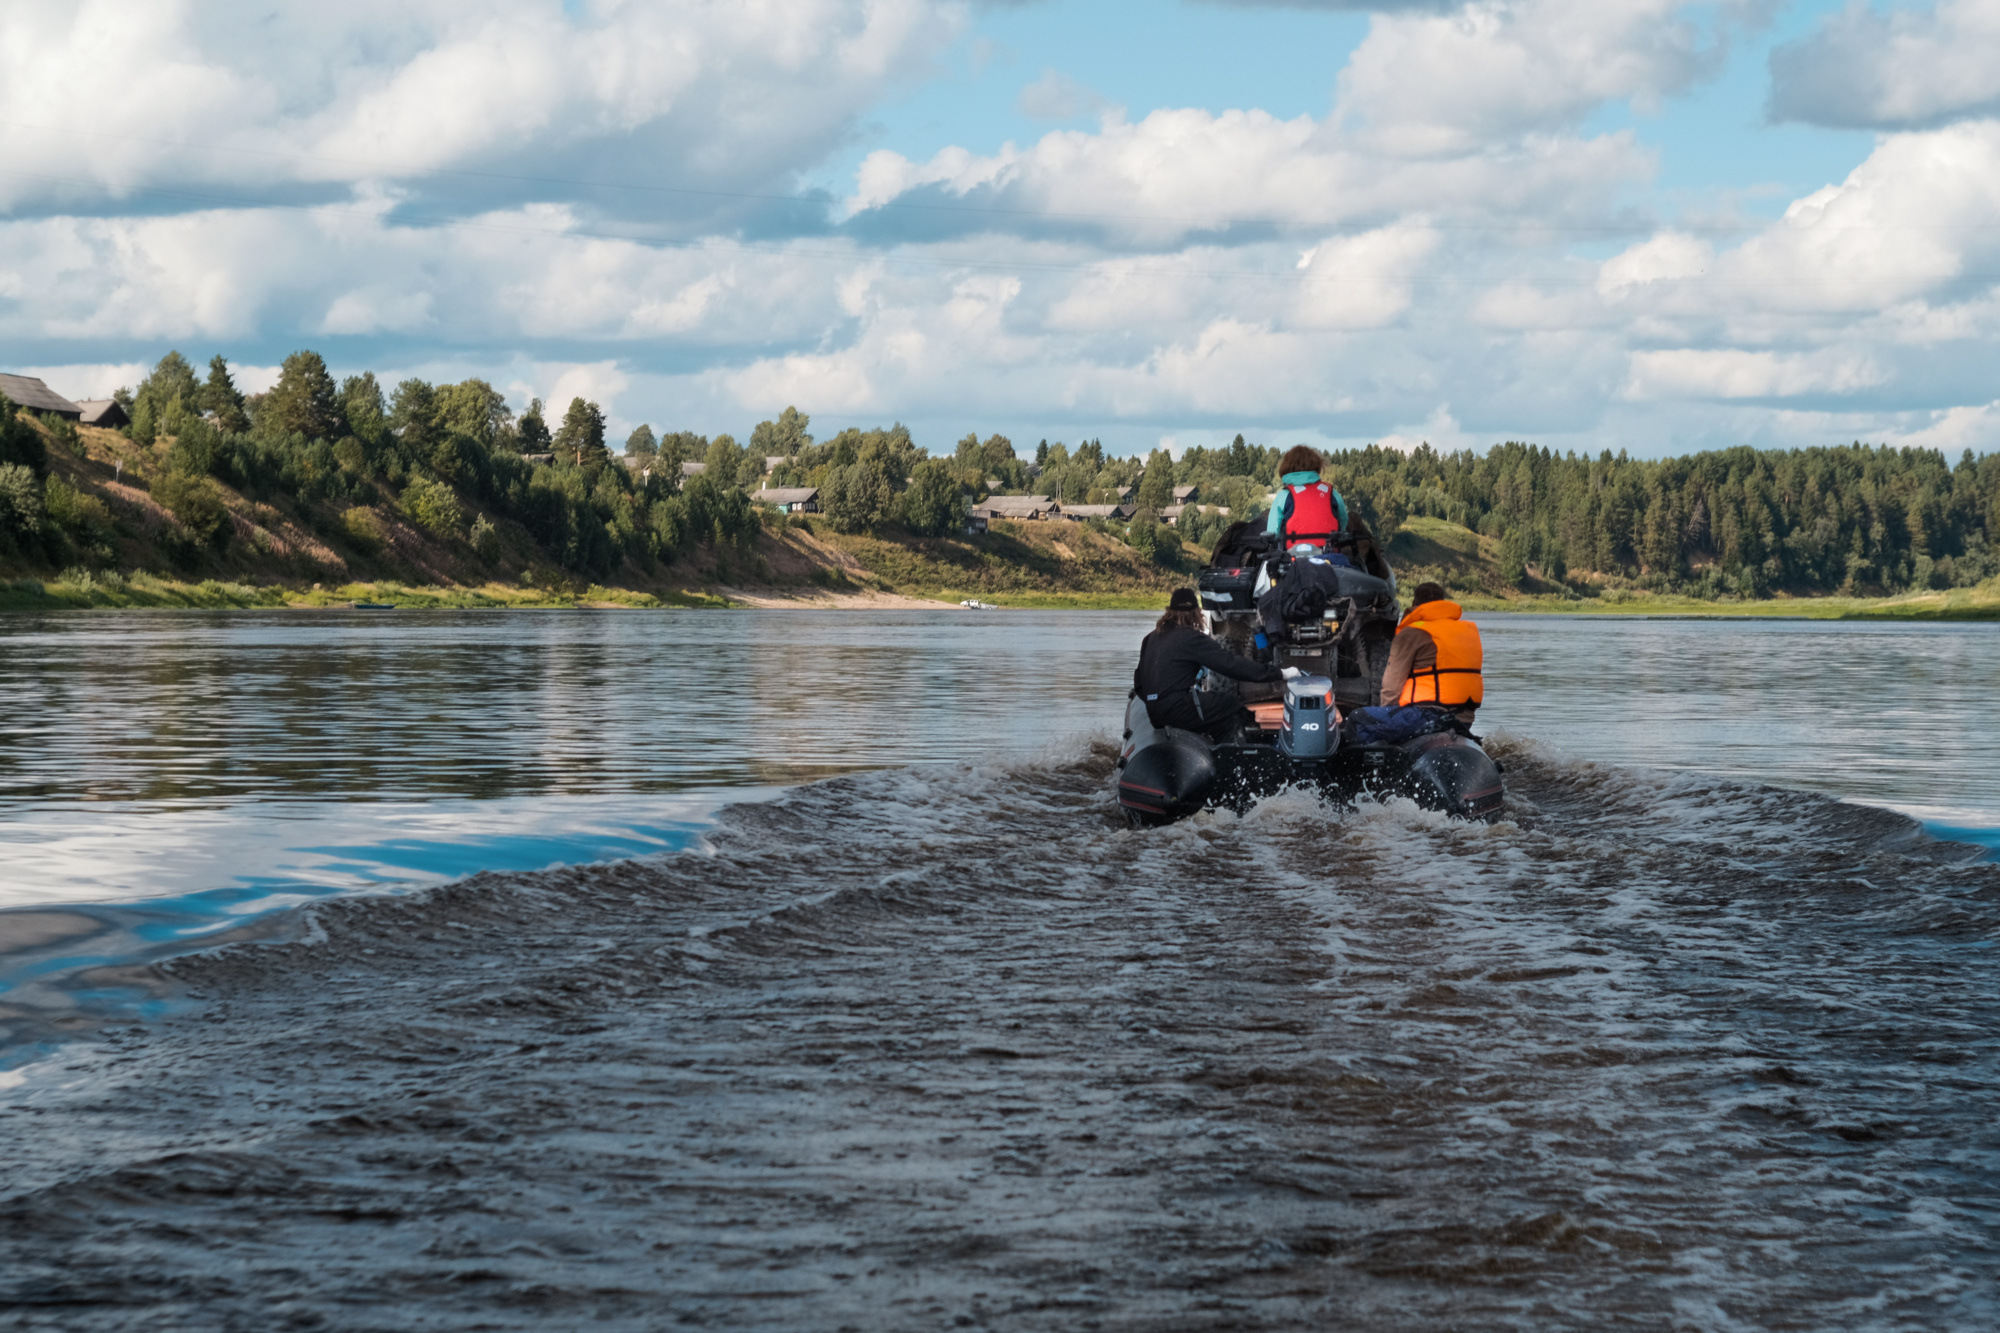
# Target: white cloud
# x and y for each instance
(1665, 258)
(1056, 96)
(1361, 282)
(375, 309)
(706, 95)
(1428, 84)
(1734, 373)
(1424, 257)
(600, 382)
(79, 382)
(1440, 430)
(1953, 430)
(1184, 171)
(1897, 69)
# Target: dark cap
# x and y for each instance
(1183, 600)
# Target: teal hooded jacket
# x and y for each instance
(1281, 508)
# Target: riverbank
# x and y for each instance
(76, 592)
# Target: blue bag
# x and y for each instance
(1392, 724)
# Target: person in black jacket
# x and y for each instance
(1171, 660)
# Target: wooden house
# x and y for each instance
(1023, 506)
(29, 392)
(789, 499)
(106, 412)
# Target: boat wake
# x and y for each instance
(938, 1046)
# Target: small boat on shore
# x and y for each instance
(1305, 735)
(974, 604)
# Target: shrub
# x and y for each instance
(196, 450)
(352, 455)
(1144, 535)
(80, 514)
(20, 505)
(433, 506)
(20, 443)
(64, 432)
(485, 538)
(363, 528)
(196, 507)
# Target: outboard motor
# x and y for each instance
(1311, 729)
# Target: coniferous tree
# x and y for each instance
(220, 399)
(581, 435)
(302, 402)
(534, 430)
(362, 405)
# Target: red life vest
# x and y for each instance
(1312, 513)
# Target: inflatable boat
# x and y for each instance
(1305, 734)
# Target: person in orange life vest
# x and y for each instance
(1435, 658)
(1307, 509)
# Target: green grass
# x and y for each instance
(79, 590)
(76, 590)
(1978, 603)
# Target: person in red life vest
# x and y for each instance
(1307, 510)
(1435, 658)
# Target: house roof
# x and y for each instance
(1020, 506)
(1182, 494)
(693, 469)
(29, 392)
(1097, 511)
(771, 461)
(107, 412)
(787, 495)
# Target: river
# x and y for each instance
(805, 976)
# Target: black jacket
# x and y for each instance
(1169, 661)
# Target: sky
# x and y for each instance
(1589, 224)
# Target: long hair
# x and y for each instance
(1183, 609)
(1300, 458)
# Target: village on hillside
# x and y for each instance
(317, 482)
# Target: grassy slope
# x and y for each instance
(280, 554)
(1015, 564)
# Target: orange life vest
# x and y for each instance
(1312, 513)
(1455, 678)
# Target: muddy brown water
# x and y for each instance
(947, 1045)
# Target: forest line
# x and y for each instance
(1850, 519)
